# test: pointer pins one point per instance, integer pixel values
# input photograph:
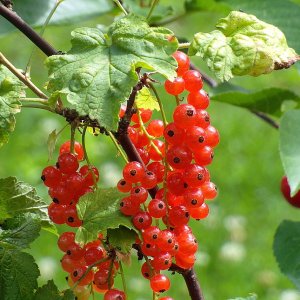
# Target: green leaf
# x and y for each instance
(35, 12)
(50, 291)
(146, 100)
(286, 249)
(51, 143)
(122, 238)
(23, 232)
(208, 5)
(18, 275)
(289, 145)
(100, 211)
(160, 12)
(17, 198)
(269, 101)
(243, 45)
(251, 297)
(99, 72)
(283, 14)
(11, 90)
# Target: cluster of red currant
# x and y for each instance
(179, 163)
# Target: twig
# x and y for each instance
(119, 4)
(153, 4)
(4, 61)
(184, 45)
(265, 118)
(14, 19)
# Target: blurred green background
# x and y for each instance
(235, 242)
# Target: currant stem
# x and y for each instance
(164, 118)
(4, 61)
(153, 4)
(118, 3)
(184, 45)
(73, 129)
(123, 278)
(177, 100)
(35, 100)
(38, 107)
(120, 150)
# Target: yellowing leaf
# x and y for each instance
(146, 100)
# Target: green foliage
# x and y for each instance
(286, 250)
(51, 143)
(289, 145)
(146, 100)
(211, 5)
(99, 72)
(50, 291)
(19, 232)
(269, 101)
(35, 12)
(251, 297)
(122, 238)
(242, 45)
(11, 90)
(99, 212)
(18, 275)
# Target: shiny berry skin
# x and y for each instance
(162, 261)
(179, 215)
(144, 154)
(75, 252)
(195, 175)
(56, 213)
(212, 136)
(183, 62)
(200, 212)
(179, 157)
(87, 174)
(129, 207)
(173, 134)
(209, 190)
(77, 273)
(175, 87)
(51, 176)
(133, 172)
(193, 198)
(61, 194)
(142, 220)
(149, 180)
(184, 261)
(160, 283)
(185, 116)
(71, 216)
(149, 249)
(133, 134)
(204, 156)
(176, 184)
(157, 208)
(158, 169)
(154, 155)
(124, 186)
(146, 271)
(94, 254)
(114, 294)
(198, 99)
(67, 163)
(285, 190)
(203, 118)
(166, 298)
(156, 128)
(65, 240)
(146, 115)
(193, 81)
(166, 240)
(75, 182)
(69, 264)
(195, 138)
(182, 229)
(151, 234)
(101, 277)
(78, 149)
(138, 194)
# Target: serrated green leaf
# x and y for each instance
(11, 90)
(208, 5)
(269, 100)
(17, 198)
(18, 275)
(23, 232)
(50, 291)
(289, 145)
(251, 297)
(100, 211)
(160, 12)
(286, 249)
(146, 100)
(98, 73)
(35, 12)
(122, 238)
(51, 143)
(243, 45)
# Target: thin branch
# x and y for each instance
(184, 45)
(119, 4)
(153, 4)
(19, 23)
(265, 118)
(38, 107)
(4, 61)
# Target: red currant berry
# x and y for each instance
(184, 261)
(209, 190)
(61, 194)
(69, 264)
(146, 115)
(151, 234)
(160, 283)
(176, 184)
(128, 207)
(75, 182)
(67, 163)
(162, 261)
(198, 99)
(149, 249)
(158, 169)
(142, 220)
(87, 173)
(204, 156)
(65, 240)
(175, 87)
(56, 213)
(101, 277)
(144, 154)
(77, 273)
(71, 216)
(193, 198)
(147, 271)
(196, 138)
(138, 194)
(166, 240)
(133, 172)
(183, 62)
(212, 136)
(185, 116)
(78, 149)
(114, 294)
(200, 212)
(203, 118)
(179, 157)
(174, 135)
(153, 153)
(156, 128)
(149, 180)
(94, 254)
(179, 215)
(193, 81)
(286, 191)
(51, 176)
(195, 175)
(157, 208)
(124, 186)
(75, 252)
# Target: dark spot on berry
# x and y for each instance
(160, 205)
(75, 273)
(187, 214)
(149, 173)
(176, 247)
(71, 219)
(190, 112)
(141, 220)
(170, 133)
(201, 139)
(195, 241)
(137, 190)
(148, 246)
(185, 185)
(68, 252)
(132, 172)
(123, 182)
(194, 202)
(176, 160)
(161, 291)
(55, 200)
(154, 236)
(43, 177)
(146, 275)
(122, 204)
(212, 155)
(57, 165)
(199, 176)
(170, 241)
(166, 262)
(206, 119)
